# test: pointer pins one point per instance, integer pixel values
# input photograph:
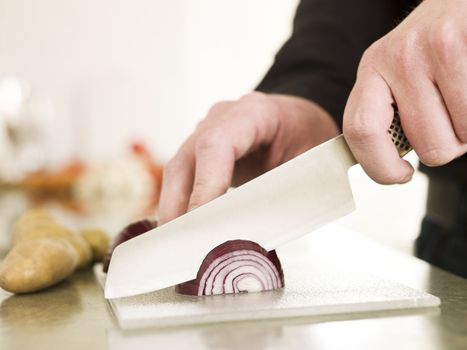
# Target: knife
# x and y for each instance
(277, 207)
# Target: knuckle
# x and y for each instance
(254, 96)
(250, 104)
(445, 40)
(270, 107)
(404, 54)
(372, 52)
(257, 104)
(173, 167)
(208, 140)
(360, 129)
(217, 108)
(369, 57)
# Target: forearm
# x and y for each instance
(320, 60)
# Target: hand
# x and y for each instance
(421, 66)
(237, 141)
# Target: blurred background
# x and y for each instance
(141, 68)
(89, 89)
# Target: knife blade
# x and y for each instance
(277, 207)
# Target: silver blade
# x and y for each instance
(275, 208)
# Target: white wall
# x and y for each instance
(116, 69)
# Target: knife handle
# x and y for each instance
(397, 135)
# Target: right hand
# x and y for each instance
(237, 141)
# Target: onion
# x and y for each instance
(132, 230)
(234, 267)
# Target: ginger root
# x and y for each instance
(44, 253)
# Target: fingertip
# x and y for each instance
(410, 171)
(214, 168)
(172, 204)
(405, 180)
(202, 196)
(368, 115)
(400, 172)
(161, 221)
(165, 216)
(192, 206)
(207, 190)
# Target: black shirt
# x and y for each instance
(319, 61)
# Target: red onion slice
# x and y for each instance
(132, 230)
(234, 267)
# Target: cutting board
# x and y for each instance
(330, 289)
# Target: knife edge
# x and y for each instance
(276, 207)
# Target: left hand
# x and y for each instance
(421, 66)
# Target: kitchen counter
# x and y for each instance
(74, 314)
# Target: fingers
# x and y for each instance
(367, 118)
(221, 144)
(179, 173)
(451, 77)
(203, 168)
(447, 48)
(426, 121)
(176, 185)
(423, 64)
(215, 161)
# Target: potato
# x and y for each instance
(31, 218)
(36, 264)
(83, 249)
(34, 214)
(98, 240)
(44, 253)
(55, 230)
(40, 230)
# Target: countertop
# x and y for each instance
(74, 314)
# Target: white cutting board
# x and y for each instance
(310, 291)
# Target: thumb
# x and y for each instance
(367, 117)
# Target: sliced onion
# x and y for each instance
(132, 230)
(235, 267)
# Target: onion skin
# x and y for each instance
(236, 266)
(132, 230)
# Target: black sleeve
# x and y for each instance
(320, 59)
